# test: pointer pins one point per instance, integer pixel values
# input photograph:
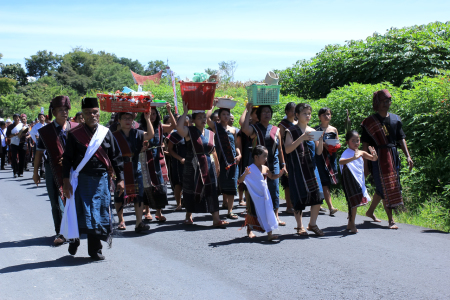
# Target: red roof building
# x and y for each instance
(140, 79)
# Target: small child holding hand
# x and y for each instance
(352, 169)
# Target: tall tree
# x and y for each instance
(14, 71)
(227, 68)
(134, 65)
(42, 63)
(211, 71)
(154, 67)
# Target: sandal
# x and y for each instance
(232, 216)
(333, 211)
(222, 224)
(188, 222)
(322, 209)
(242, 203)
(179, 208)
(121, 226)
(301, 231)
(148, 218)
(281, 223)
(315, 229)
(161, 219)
(290, 211)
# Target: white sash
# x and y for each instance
(69, 223)
(258, 189)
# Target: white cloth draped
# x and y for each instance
(69, 223)
(34, 131)
(259, 191)
(357, 169)
(16, 140)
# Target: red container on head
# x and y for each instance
(198, 95)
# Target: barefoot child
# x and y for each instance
(260, 215)
(352, 169)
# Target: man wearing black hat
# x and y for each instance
(52, 139)
(91, 156)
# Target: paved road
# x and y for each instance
(174, 261)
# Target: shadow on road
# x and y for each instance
(65, 261)
(39, 241)
(434, 231)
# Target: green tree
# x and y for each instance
(392, 57)
(154, 67)
(7, 85)
(14, 71)
(13, 103)
(111, 77)
(133, 65)
(211, 71)
(227, 69)
(42, 63)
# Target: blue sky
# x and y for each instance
(194, 35)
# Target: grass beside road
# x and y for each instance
(431, 215)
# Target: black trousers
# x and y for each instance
(94, 245)
(3, 157)
(18, 166)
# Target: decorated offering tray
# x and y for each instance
(226, 102)
(121, 102)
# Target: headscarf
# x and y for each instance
(58, 102)
(380, 96)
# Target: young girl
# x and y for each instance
(304, 179)
(327, 162)
(352, 169)
(260, 214)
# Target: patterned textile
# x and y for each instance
(390, 180)
(154, 171)
(176, 167)
(55, 145)
(352, 189)
(224, 145)
(131, 186)
(284, 181)
(326, 163)
(303, 176)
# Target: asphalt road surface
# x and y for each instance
(175, 261)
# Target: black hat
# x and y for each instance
(89, 103)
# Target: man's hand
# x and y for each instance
(67, 188)
(60, 161)
(410, 163)
(182, 161)
(36, 178)
(120, 187)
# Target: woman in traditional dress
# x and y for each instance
(229, 157)
(153, 164)
(131, 142)
(352, 169)
(260, 215)
(269, 136)
(199, 180)
(246, 151)
(287, 122)
(304, 180)
(177, 149)
(327, 162)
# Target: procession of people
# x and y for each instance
(91, 170)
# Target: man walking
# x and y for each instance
(52, 139)
(90, 157)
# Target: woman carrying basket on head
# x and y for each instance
(153, 164)
(229, 156)
(199, 180)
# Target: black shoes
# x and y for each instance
(73, 247)
(141, 227)
(97, 256)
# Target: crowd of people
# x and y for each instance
(201, 156)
